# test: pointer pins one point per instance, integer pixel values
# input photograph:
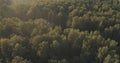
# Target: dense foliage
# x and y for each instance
(60, 31)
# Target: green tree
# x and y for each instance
(6, 50)
(110, 59)
(18, 59)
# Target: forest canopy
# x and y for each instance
(59, 31)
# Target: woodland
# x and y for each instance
(59, 31)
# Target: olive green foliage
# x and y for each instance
(59, 31)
